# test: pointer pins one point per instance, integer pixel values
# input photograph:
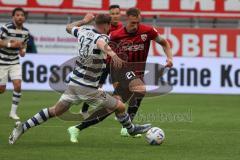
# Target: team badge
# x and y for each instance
(144, 37)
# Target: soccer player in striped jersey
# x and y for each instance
(9, 56)
(84, 80)
(115, 14)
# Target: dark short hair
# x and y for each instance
(133, 12)
(114, 6)
(18, 9)
(102, 19)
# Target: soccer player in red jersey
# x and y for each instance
(115, 14)
(132, 43)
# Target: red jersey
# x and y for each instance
(134, 46)
(114, 28)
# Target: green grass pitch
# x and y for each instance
(197, 127)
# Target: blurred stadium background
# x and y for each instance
(199, 31)
(205, 38)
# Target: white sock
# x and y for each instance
(37, 119)
(15, 101)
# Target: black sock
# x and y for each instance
(134, 103)
(85, 107)
(132, 110)
(95, 118)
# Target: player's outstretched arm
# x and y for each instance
(167, 49)
(103, 46)
(86, 20)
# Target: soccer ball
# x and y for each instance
(155, 136)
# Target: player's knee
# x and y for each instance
(52, 111)
(141, 89)
(58, 109)
(2, 89)
(17, 87)
(120, 107)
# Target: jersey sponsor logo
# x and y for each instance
(133, 47)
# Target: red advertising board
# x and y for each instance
(175, 8)
(193, 42)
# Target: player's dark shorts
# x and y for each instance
(123, 77)
(104, 75)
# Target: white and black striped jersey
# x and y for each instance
(90, 60)
(9, 56)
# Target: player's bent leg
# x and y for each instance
(133, 95)
(138, 88)
(93, 119)
(124, 94)
(59, 108)
(85, 107)
(126, 122)
(37, 119)
(16, 97)
(107, 107)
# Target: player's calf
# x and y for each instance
(59, 108)
(17, 85)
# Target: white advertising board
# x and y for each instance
(189, 75)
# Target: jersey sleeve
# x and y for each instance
(3, 32)
(153, 33)
(103, 37)
(27, 38)
(74, 31)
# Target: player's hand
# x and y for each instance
(22, 52)
(169, 63)
(117, 62)
(16, 44)
(88, 18)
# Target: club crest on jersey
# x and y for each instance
(144, 37)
